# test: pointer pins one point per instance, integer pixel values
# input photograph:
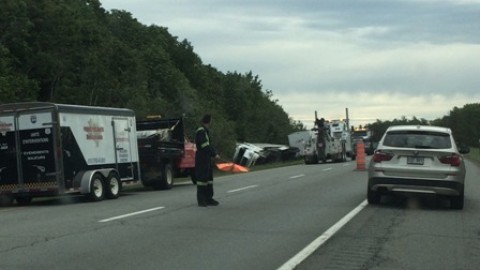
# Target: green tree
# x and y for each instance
(76, 52)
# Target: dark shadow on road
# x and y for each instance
(415, 202)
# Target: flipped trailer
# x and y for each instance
(329, 140)
(49, 149)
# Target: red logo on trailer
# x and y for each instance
(94, 131)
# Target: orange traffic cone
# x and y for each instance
(360, 155)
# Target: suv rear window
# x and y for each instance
(417, 139)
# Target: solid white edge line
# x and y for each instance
(240, 189)
(131, 214)
(308, 250)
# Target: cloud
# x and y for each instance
(382, 59)
(367, 108)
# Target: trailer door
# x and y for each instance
(36, 155)
(8, 156)
(123, 148)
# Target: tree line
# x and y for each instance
(76, 52)
(464, 122)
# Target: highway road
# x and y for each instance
(303, 216)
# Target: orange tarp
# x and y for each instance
(231, 167)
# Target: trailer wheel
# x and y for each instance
(113, 186)
(97, 188)
(24, 200)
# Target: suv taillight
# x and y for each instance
(382, 156)
(453, 159)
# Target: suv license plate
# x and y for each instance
(415, 160)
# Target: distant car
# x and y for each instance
(420, 160)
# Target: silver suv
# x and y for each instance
(417, 159)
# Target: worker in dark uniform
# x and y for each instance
(203, 164)
(320, 123)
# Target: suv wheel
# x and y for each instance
(373, 197)
(457, 202)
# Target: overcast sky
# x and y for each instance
(381, 59)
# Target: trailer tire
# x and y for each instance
(113, 186)
(97, 188)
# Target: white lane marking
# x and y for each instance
(346, 164)
(327, 169)
(308, 250)
(297, 176)
(131, 214)
(240, 189)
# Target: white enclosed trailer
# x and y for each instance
(51, 149)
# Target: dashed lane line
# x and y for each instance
(131, 214)
(241, 189)
(297, 176)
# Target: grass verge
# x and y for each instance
(474, 154)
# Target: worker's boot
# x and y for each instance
(201, 195)
(210, 200)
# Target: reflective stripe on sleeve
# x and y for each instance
(205, 144)
(199, 183)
